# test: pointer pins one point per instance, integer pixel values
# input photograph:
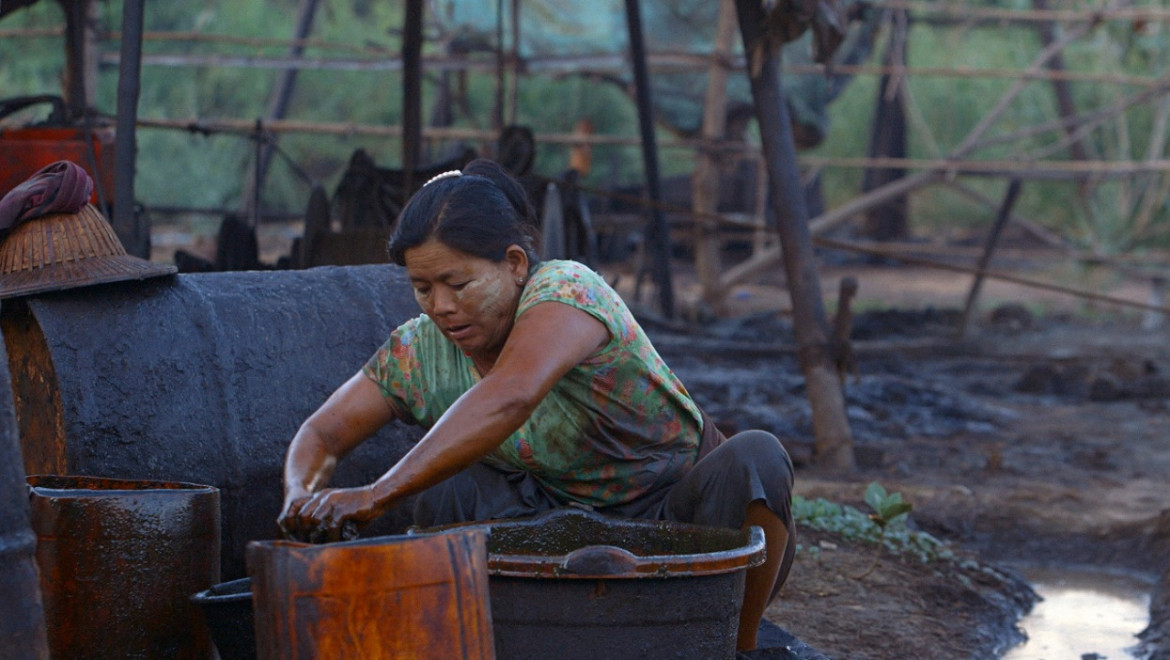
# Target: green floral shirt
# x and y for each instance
(616, 426)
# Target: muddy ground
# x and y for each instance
(1042, 435)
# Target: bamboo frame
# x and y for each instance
(1054, 169)
(387, 60)
(615, 63)
(964, 11)
(933, 171)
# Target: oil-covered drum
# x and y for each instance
(202, 378)
(22, 620)
(119, 560)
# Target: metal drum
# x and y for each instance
(388, 597)
(22, 619)
(202, 378)
(119, 561)
(576, 585)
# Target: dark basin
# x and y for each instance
(573, 584)
(227, 609)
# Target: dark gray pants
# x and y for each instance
(749, 466)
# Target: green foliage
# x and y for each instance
(886, 527)
(35, 65)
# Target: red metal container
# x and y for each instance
(23, 151)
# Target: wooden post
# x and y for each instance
(514, 80)
(278, 101)
(131, 229)
(888, 138)
(81, 72)
(1005, 213)
(707, 166)
(1078, 147)
(412, 38)
(657, 236)
(833, 449)
(1065, 105)
(501, 70)
(81, 54)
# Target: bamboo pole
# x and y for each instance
(707, 247)
(1001, 220)
(80, 55)
(955, 10)
(657, 236)
(1023, 168)
(966, 11)
(516, 62)
(1065, 105)
(131, 229)
(975, 72)
(887, 137)
(1049, 169)
(278, 101)
(853, 246)
(412, 43)
(833, 445)
(501, 70)
(660, 62)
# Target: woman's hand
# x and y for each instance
(287, 521)
(332, 514)
(351, 414)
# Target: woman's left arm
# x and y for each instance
(546, 341)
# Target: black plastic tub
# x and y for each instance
(576, 585)
(227, 609)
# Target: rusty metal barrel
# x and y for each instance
(22, 620)
(202, 378)
(417, 596)
(119, 560)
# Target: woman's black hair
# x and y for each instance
(480, 211)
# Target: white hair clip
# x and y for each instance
(444, 175)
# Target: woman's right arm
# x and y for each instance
(348, 417)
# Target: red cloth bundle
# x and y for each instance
(62, 187)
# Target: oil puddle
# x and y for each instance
(1085, 614)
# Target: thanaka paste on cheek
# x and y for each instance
(490, 290)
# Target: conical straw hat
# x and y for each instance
(65, 251)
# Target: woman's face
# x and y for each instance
(472, 300)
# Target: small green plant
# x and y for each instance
(887, 507)
(885, 526)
